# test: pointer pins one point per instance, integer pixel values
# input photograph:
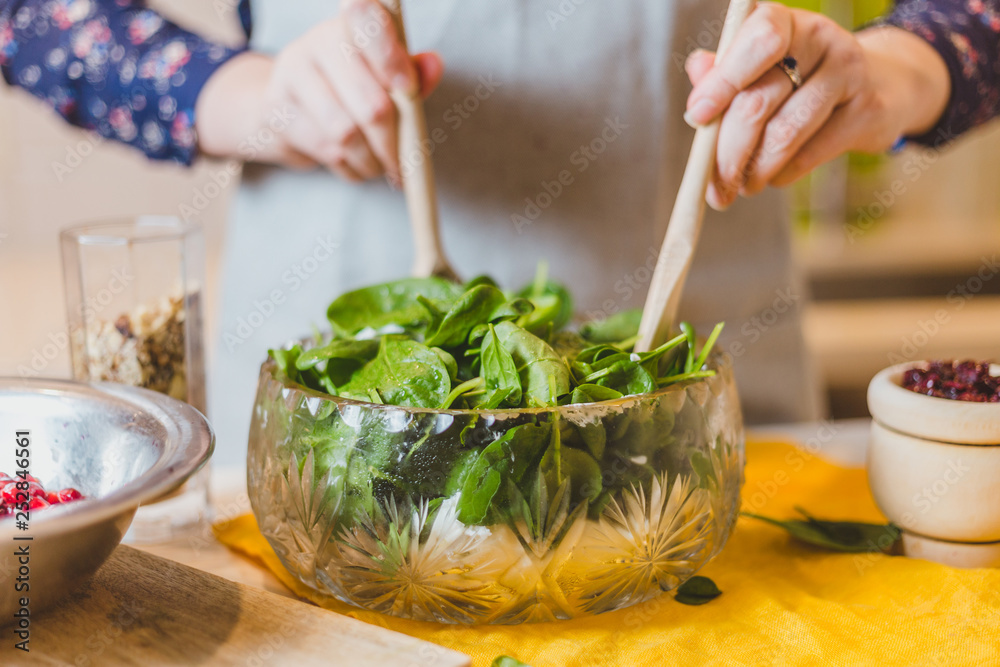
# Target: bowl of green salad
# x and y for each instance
(457, 453)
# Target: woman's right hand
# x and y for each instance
(322, 101)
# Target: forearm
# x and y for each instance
(231, 110)
(911, 77)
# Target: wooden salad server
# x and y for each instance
(660, 310)
(418, 179)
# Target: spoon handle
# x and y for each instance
(663, 299)
(417, 172)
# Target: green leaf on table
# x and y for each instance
(507, 661)
(390, 303)
(405, 373)
(697, 590)
(472, 308)
(543, 374)
(844, 536)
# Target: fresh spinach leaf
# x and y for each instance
(389, 303)
(614, 329)
(509, 456)
(341, 356)
(404, 372)
(507, 661)
(592, 393)
(536, 363)
(845, 536)
(472, 308)
(503, 386)
(697, 591)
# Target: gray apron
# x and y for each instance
(558, 137)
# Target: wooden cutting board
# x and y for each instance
(140, 609)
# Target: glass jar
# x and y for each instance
(134, 309)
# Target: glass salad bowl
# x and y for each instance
(497, 516)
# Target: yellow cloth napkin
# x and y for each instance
(782, 603)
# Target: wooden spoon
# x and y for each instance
(660, 310)
(418, 174)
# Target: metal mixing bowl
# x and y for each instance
(121, 446)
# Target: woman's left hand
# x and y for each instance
(859, 92)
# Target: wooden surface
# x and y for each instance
(143, 610)
(684, 228)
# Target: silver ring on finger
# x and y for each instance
(790, 66)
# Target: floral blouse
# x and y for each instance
(112, 66)
(967, 35)
(116, 67)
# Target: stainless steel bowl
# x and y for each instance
(121, 446)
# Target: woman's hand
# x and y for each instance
(323, 101)
(860, 92)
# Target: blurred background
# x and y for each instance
(900, 253)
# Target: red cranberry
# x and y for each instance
(962, 381)
(67, 495)
(9, 493)
(38, 503)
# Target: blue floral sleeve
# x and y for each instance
(967, 35)
(113, 66)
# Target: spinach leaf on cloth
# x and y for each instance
(846, 536)
(697, 591)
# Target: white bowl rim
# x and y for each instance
(930, 417)
(183, 455)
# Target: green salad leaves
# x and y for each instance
(431, 343)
